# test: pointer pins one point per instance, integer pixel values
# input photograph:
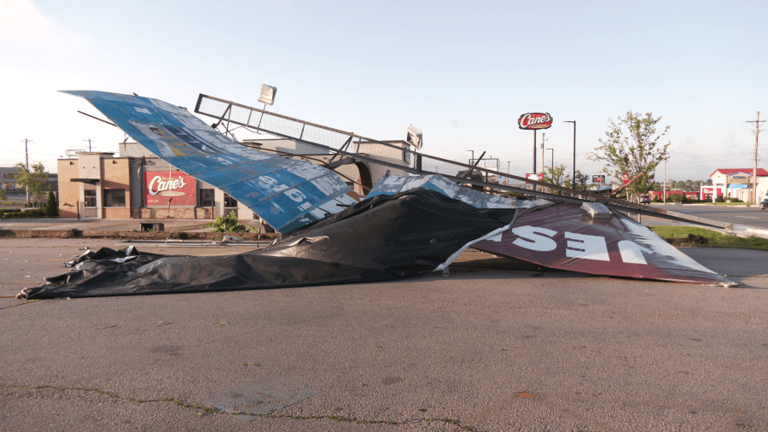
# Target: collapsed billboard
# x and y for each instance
(407, 226)
(393, 236)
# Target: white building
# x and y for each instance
(737, 182)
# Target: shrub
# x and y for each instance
(6, 211)
(678, 198)
(226, 223)
(720, 198)
(17, 214)
(51, 208)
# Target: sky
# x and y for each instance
(462, 72)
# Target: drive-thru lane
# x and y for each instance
(741, 215)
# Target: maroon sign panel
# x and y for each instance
(174, 187)
(566, 237)
(535, 121)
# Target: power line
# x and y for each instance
(721, 79)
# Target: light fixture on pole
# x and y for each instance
(414, 137)
(471, 161)
(574, 151)
(552, 159)
(267, 94)
(267, 97)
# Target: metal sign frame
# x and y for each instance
(297, 130)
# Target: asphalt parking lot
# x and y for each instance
(496, 346)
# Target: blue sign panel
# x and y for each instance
(287, 193)
(392, 184)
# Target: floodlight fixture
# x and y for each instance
(267, 94)
(414, 137)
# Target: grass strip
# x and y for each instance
(716, 239)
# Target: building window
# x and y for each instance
(229, 201)
(90, 198)
(114, 198)
(206, 198)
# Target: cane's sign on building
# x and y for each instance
(533, 121)
(164, 187)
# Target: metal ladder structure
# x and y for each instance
(358, 147)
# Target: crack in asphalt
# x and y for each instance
(214, 410)
(19, 304)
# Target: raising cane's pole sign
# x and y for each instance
(533, 121)
(164, 187)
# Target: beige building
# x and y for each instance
(137, 184)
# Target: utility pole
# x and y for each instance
(26, 156)
(543, 140)
(89, 144)
(754, 166)
(552, 161)
(665, 179)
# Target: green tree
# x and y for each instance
(3, 196)
(581, 181)
(33, 179)
(556, 175)
(51, 208)
(631, 145)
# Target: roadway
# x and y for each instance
(495, 346)
(737, 215)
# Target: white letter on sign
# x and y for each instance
(531, 238)
(586, 247)
(632, 253)
(296, 195)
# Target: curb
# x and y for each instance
(133, 235)
(755, 232)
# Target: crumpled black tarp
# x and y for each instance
(381, 238)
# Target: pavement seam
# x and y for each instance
(17, 304)
(214, 410)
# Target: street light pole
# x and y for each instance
(471, 161)
(574, 150)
